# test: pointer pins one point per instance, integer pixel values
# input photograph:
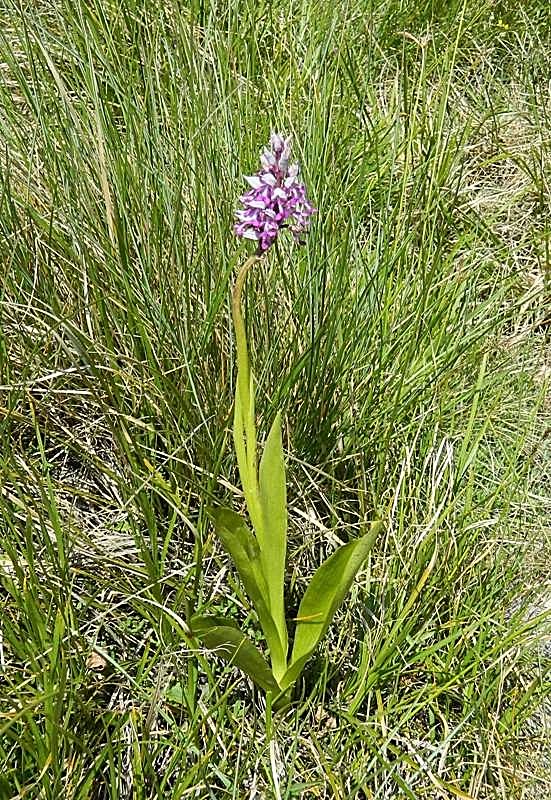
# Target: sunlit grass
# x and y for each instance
(407, 345)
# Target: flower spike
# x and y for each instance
(276, 199)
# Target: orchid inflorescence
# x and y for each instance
(276, 199)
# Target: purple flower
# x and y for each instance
(276, 199)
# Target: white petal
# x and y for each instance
(277, 142)
(267, 159)
(250, 233)
(253, 180)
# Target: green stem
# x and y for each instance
(245, 440)
(245, 392)
(243, 367)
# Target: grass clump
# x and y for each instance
(408, 345)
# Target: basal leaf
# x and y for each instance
(229, 643)
(322, 598)
(244, 549)
(273, 545)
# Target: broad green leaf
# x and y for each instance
(273, 544)
(322, 598)
(176, 694)
(243, 547)
(228, 642)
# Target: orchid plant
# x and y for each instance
(276, 200)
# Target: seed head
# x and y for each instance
(276, 199)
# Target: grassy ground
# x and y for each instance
(407, 343)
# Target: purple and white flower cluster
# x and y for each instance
(276, 199)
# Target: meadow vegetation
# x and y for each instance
(406, 344)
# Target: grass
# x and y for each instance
(407, 344)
